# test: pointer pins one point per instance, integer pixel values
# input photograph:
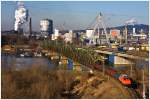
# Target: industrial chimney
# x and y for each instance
(134, 31)
(30, 26)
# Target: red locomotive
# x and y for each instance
(123, 78)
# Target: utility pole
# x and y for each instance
(103, 61)
(98, 34)
(103, 68)
(30, 26)
(144, 96)
(98, 27)
(131, 69)
(120, 40)
(126, 35)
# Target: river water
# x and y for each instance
(9, 61)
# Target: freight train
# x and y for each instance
(123, 78)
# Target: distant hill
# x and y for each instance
(138, 28)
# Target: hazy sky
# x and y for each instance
(76, 15)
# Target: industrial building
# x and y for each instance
(114, 33)
(92, 36)
(89, 33)
(142, 35)
(68, 36)
(46, 27)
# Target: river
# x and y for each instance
(9, 61)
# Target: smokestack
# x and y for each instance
(133, 30)
(30, 26)
(21, 16)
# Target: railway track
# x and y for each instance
(126, 91)
(133, 93)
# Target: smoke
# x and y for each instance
(21, 16)
(131, 21)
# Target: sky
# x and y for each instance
(76, 14)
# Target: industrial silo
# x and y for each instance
(46, 27)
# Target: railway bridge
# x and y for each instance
(116, 57)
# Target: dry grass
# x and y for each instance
(36, 82)
(41, 83)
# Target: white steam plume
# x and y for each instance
(21, 16)
(131, 21)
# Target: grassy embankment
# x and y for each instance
(36, 82)
(40, 83)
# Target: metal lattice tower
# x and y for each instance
(100, 22)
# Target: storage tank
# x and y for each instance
(46, 27)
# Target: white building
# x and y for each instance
(89, 33)
(56, 34)
(68, 36)
(134, 31)
(92, 36)
(141, 36)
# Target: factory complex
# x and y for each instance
(118, 54)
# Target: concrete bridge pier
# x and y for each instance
(116, 60)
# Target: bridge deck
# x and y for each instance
(122, 55)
